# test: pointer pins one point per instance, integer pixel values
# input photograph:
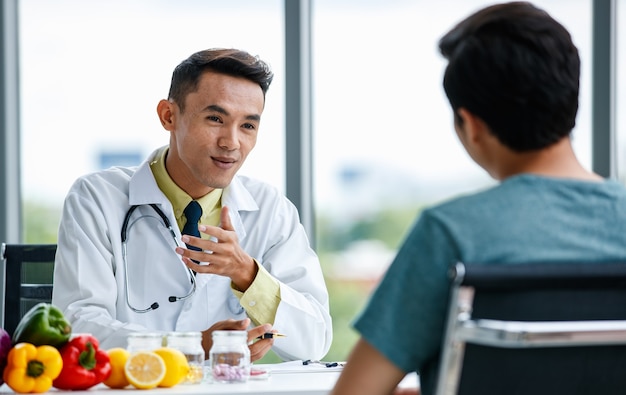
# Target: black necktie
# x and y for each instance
(193, 212)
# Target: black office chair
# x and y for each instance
(535, 329)
(28, 274)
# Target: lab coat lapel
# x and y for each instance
(237, 198)
(143, 188)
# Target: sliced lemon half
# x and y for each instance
(144, 369)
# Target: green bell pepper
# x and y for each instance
(43, 324)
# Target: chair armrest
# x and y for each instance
(522, 334)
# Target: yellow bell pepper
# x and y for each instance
(32, 369)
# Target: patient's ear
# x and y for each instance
(473, 126)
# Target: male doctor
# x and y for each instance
(123, 265)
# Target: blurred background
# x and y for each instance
(383, 145)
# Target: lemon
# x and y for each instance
(176, 366)
(144, 369)
(118, 357)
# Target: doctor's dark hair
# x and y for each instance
(232, 62)
(517, 69)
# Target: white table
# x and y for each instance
(285, 378)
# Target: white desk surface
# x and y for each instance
(284, 378)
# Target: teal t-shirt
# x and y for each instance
(526, 218)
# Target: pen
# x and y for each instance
(327, 364)
(270, 335)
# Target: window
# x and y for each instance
(93, 72)
(384, 144)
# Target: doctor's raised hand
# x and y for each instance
(221, 254)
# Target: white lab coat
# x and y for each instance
(90, 275)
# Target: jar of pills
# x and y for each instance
(144, 341)
(230, 357)
(190, 343)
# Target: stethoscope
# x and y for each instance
(125, 228)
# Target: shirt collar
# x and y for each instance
(211, 202)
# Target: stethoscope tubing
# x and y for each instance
(124, 235)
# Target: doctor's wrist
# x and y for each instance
(245, 278)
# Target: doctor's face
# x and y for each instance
(212, 137)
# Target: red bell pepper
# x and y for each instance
(84, 364)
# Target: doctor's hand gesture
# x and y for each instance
(222, 252)
(258, 348)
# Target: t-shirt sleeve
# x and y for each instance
(405, 316)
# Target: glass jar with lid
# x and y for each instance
(144, 341)
(230, 356)
(190, 344)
